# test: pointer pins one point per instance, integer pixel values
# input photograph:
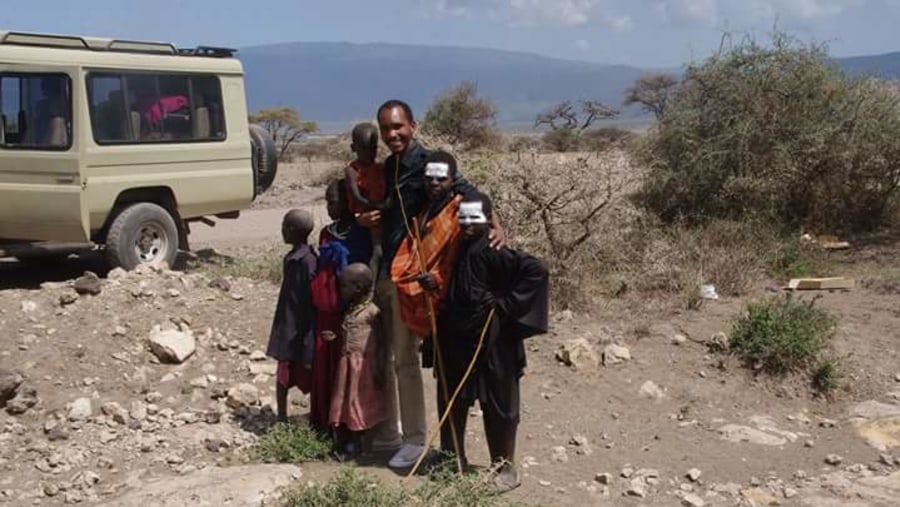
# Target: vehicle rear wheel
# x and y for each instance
(265, 158)
(143, 233)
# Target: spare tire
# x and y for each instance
(264, 157)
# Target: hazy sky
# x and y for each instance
(636, 32)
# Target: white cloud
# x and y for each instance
(619, 15)
(553, 12)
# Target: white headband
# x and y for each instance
(472, 213)
(437, 170)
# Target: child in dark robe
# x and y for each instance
(341, 242)
(292, 338)
(357, 403)
(366, 186)
(515, 286)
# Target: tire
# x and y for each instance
(143, 233)
(264, 158)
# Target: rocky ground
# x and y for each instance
(148, 388)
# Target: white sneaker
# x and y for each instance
(407, 456)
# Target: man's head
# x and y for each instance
(355, 282)
(364, 142)
(336, 200)
(296, 226)
(397, 125)
(440, 171)
(475, 215)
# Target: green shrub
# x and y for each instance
(782, 334)
(778, 133)
(291, 443)
(826, 376)
(350, 488)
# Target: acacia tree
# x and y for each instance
(462, 117)
(652, 92)
(285, 126)
(568, 120)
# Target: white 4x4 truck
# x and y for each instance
(120, 145)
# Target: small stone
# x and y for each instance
(174, 459)
(615, 354)
(216, 445)
(220, 283)
(9, 383)
(80, 409)
(25, 398)
(679, 339)
(237, 297)
(242, 395)
(90, 478)
(694, 474)
(51, 490)
(828, 423)
(107, 437)
(57, 433)
(138, 410)
(559, 454)
(74, 496)
(120, 331)
(650, 390)
(897, 377)
(833, 460)
(637, 489)
(258, 355)
(200, 382)
(153, 397)
(692, 500)
(544, 483)
(578, 354)
(89, 284)
(809, 443)
(627, 472)
(173, 293)
(886, 459)
(67, 298)
(790, 492)
(28, 306)
(604, 478)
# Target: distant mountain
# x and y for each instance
(886, 65)
(343, 82)
(338, 83)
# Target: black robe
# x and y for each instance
(293, 328)
(516, 285)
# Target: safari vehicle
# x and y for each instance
(121, 145)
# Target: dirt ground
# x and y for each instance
(675, 424)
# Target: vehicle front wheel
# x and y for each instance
(143, 233)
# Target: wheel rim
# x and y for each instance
(151, 243)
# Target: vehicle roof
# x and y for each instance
(105, 53)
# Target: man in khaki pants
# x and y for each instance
(404, 172)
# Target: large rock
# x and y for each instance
(172, 346)
(878, 423)
(240, 486)
(578, 354)
(9, 383)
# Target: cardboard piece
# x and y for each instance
(835, 283)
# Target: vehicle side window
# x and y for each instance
(147, 108)
(36, 111)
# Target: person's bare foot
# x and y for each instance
(506, 478)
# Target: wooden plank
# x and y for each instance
(835, 283)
